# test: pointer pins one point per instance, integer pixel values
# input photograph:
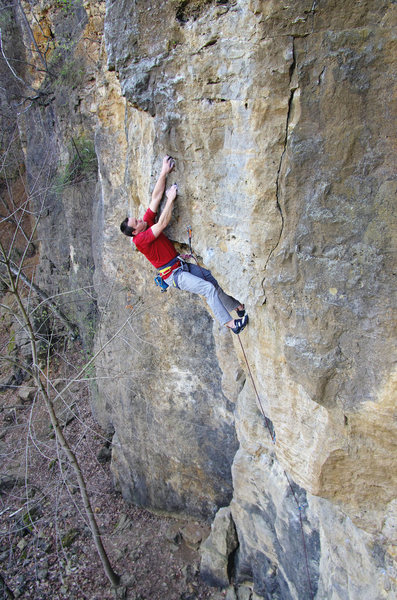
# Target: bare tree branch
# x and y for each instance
(72, 329)
(30, 32)
(5, 589)
(113, 577)
(8, 63)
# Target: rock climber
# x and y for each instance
(149, 238)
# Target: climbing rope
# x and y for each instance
(267, 421)
(273, 438)
(269, 426)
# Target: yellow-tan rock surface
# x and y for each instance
(280, 117)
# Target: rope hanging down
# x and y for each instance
(273, 437)
(268, 422)
(270, 427)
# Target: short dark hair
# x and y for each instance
(126, 229)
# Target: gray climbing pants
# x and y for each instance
(195, 279)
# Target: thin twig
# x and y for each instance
(70, 327)
(8, 63)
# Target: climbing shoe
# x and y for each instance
(239, 324)
(240, 313)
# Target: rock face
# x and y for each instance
(217, 551)
(280, 119)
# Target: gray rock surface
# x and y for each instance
(217, 550)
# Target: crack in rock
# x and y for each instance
(278, 204)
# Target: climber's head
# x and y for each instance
(131, 226)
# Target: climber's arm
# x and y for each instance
(165, 216)
(158, 192)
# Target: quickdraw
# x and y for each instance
(189, 237)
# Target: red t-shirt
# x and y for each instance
(159, 251)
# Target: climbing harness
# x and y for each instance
(165, 270)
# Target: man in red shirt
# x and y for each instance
(149, 239)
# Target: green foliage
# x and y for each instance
(82, 164)
(71, 74)
(66, 5)
(171, 45)
(69, 537)
(29, 518)
(53, 463)
(84, 160)
(64, 69)
(90, 372)
(11, 344)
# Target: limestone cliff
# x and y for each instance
(281, 120)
